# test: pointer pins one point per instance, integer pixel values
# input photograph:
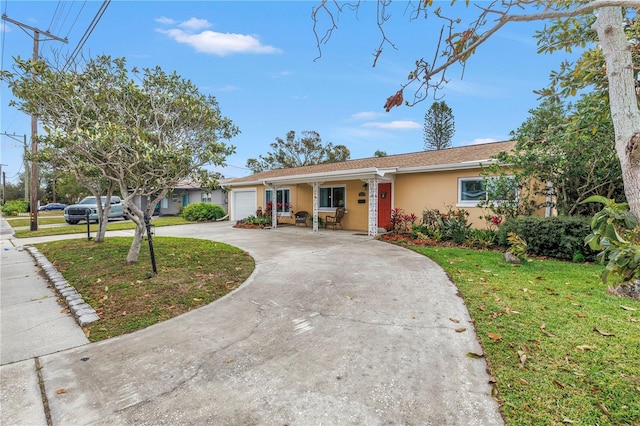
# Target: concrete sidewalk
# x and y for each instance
(331, 328)
(32, 324)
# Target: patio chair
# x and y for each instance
(301, 217)
(335, 220)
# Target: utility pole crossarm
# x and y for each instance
(28, 27)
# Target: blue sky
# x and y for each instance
(257, 59)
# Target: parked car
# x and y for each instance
(52, 206)
(77, 212)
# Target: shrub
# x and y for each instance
(12, 208)
(517, 246)
(454, 226)
(202, 212)
(558, 237)
(481, 238)
(616, 232)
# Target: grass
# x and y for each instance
(561, 349)
(191, 273)
(82, 226)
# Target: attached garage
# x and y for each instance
(243, 203)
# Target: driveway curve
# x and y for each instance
(332, 328)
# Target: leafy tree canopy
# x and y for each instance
(141, 135)
(304, 151)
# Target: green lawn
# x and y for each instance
(82, 227)
(561, 349)
(191, 273)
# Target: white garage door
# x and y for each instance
(244, 203)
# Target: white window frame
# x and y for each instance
(287, 212)
(205, 197)
(164, 203)
(333, 209)
(474, 203)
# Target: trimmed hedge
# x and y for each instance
(559, 237)
(202, 212)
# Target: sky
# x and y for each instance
(261, 62)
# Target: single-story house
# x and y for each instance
(185, 193)
(370, 188)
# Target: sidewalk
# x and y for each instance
(32, 324)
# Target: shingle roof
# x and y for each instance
(449, 156)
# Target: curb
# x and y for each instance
(82, 312)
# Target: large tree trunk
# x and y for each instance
(138, 236)
(622, 99)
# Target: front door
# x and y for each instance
(384, 205)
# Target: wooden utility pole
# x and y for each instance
(33, 205)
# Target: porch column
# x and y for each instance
(274, 207)
(373, 206)
(316, 194)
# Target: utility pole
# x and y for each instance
(24, 159)
(34, 122)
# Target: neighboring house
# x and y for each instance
(370, 187)
(189, 192)
(185, 193)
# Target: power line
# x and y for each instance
(87, 33)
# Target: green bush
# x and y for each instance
(12, 208)
(202, 212)
(558, 237)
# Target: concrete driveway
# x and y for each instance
(331, 328)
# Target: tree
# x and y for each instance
(613, 24)
(439, 126)
(380, 153)
(570, 148)
(139, 138)
(304, 151)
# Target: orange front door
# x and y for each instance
(384, 205)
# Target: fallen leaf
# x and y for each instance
(585, 348)
(568, 421)
(486, 271)
(474, 355)
(494, 336)
(581, 315)
(604, 409)
(106, 288)
(522, 358)
(542, 328)
(413, 317)
(229, 361)
(523, 381)
(64, 311)
(61, 391)
(604, 333)
(99, 280)
(557, 383)
(138, 282)
(454, 320)
(197, 299)
(349, 297)
(460, 330)
(626, 308)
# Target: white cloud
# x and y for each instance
(366, 115)
(396, 125)
(165, 20)
(212, 42)
(194, 24)
(220, 44)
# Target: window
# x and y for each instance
(283, 201)
(332, 197)
(205, 197)
(472, 191)
(164, 204)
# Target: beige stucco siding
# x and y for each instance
(416, 192)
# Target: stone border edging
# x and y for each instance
(83, 313)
